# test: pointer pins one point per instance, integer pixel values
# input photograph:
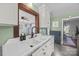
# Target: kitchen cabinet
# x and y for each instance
(46, 50)
(8, 14)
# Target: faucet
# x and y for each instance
(22, 37)
(32, 33)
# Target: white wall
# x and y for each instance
(44, 16)
(29, 17)
(33, 6)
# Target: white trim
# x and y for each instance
(62, 33)
(71, 18)
(62, 26)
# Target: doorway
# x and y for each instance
(70, 28)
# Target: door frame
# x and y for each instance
(63, 27)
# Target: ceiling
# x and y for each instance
(61, 9)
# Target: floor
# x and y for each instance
(64, 50)
(69, 41)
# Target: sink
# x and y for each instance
(30, 42)
(24, 47)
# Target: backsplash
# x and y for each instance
(6, 32)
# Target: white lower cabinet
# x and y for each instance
(46, 50)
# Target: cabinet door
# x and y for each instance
(50, 48)
(45, 50)
(9, 13)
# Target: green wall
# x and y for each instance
(6, 33)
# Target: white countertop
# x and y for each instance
(15, 47)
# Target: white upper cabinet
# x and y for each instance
(8, 14)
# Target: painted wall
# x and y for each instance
(5, 34)
(35, 8)
(32, 6)
(44, 18)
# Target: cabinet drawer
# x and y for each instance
(49, 44)
(45, 50)
(39, 52)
